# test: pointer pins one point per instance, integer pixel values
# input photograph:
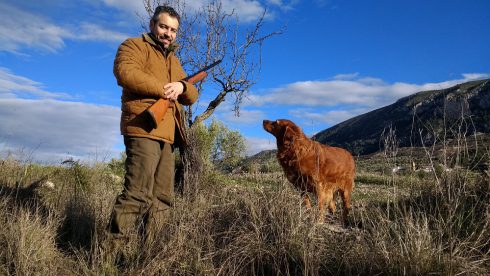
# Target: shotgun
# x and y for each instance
(157, 111)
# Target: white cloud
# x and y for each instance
(225, 112)
(321, 104)
(55, 130)
(275, 2)
(368, 92)
(35, 120)
(94, 32)
(130, 5)
(246, 116)
(475, 76)
(21, 29)
(346, 76)
(255, 145)
(282, 4)
(12, 85)
(316, 105)
(247, 10)
(330, 117)
(133, 7)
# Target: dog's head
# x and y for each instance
(284, 130)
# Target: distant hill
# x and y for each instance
(423, 117)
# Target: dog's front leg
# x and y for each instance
(323, 199)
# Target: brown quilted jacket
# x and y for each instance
(142, 69)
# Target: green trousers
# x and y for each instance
(148, 187)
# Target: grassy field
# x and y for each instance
(408, 223)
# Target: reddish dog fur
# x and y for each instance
(314, 167)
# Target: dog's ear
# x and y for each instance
(289, 134)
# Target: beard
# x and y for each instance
(164, 39)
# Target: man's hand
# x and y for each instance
(173, 90)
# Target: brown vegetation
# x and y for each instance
(249, 224)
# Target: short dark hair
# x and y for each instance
(165, 9)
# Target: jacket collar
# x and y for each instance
(150, 38)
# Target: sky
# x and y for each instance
(334, 60)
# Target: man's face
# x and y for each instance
(165, 29)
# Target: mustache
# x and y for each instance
(164, 36)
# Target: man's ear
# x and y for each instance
(152, 23)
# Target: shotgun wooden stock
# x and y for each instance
(159, 108)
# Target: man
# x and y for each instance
(147, 69)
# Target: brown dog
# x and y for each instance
(313, 167)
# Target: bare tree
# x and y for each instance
(209, 33)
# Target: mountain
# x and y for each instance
(422, 118)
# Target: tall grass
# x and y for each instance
(443, 230)
(246, 225)
(27, 240)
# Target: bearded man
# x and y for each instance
(147, 69)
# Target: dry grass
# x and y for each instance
(249, 224)
(28, 241)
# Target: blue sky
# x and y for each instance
(336, 59)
